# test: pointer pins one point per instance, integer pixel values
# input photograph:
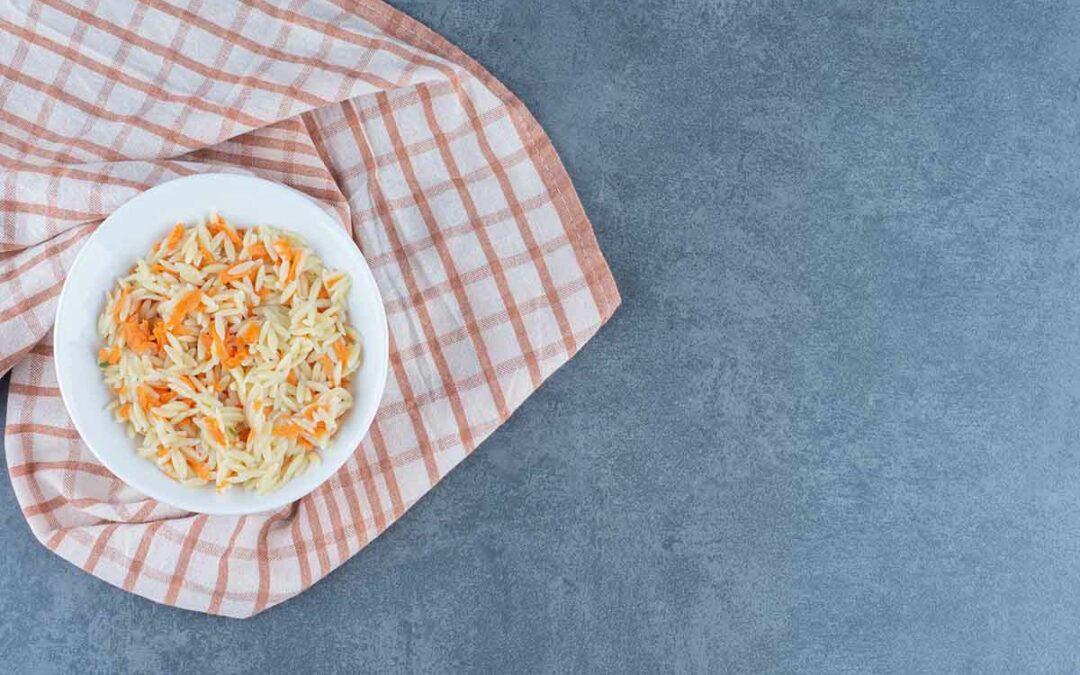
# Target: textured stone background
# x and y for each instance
(832, 427)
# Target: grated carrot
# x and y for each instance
(200, 469)
(124, 411)
(135, 335)
(146, 396)
(232, 234)
(162, 451)
(250, 333)
(291, 378)
(294, 265)
(305, 443)
(342, 351)
(159, 335)
(174, 237)
(258, 252)
(283, 247)
(214, 430)
(287, 430)
(236, 359)
(189, 301)
(186, 379)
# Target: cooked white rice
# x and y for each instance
(229, 352)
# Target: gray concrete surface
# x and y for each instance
(834, 426)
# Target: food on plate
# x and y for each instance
(229, 352)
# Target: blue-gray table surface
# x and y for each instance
(834, 426)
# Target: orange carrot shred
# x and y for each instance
(294, 265)
(188, 302)
(124, 411)
(251, 333)
(135, 335)
(200, 469)
(159, 335)
(342, 350)
(283, 247)
(174, 237)
(258, 251)
(229, 231)
(214, 431)
(291, 377)
(287, 430)
(146, 397)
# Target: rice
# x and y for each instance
(229, 352)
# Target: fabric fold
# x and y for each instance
(488, 266)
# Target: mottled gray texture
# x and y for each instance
(831, 429)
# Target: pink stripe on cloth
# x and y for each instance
(485, 258)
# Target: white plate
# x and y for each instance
(127, 235)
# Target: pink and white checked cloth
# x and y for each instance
(490, 272)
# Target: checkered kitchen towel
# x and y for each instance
(490, 272)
